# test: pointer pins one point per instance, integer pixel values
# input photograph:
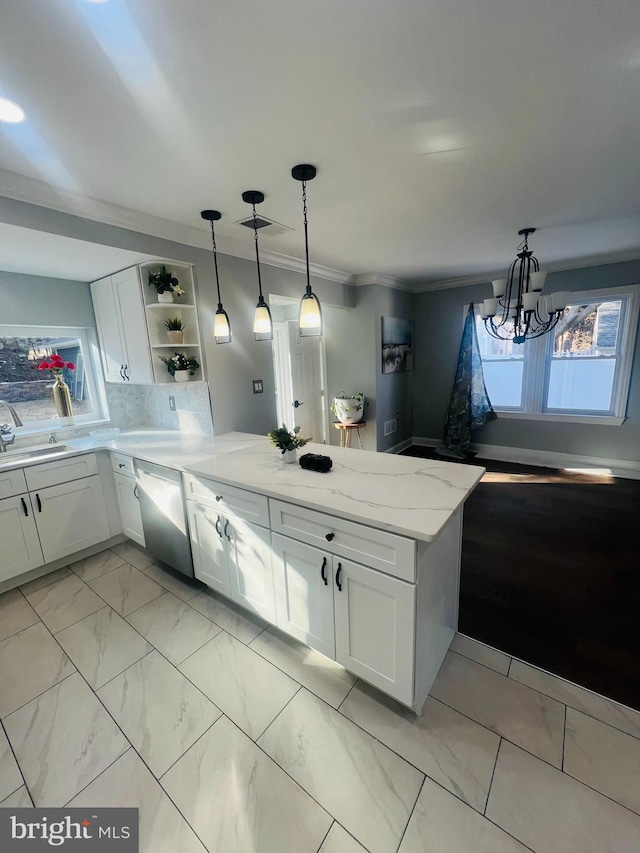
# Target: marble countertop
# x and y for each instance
(402, 494)
(409, 496)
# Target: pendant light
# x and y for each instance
(221, 324)
(262, 325)
(310, 314)
(518, 311)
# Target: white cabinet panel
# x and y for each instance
(375, 627)
(123, 464)
(107, 313)
(12, 483)
(70, 517)
(208, 547)
(126, 491)
(395, 555)
(20, 544)
(303, 582)
(233, 502)
(133, 323)
(249, 552)
(61, 471)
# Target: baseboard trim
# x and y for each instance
(625, 468)
(402, 445)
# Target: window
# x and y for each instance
(580, 371)
(30, 390)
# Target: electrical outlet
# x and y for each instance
(172, 402)
(258, 387)
(397, 416)
(389, 427)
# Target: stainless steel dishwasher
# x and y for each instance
(164, 516)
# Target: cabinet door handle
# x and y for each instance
(24, 507)
(121, 465)
(329, 536)
(218, 497)
(122, 372)
(126, 373)
(135, 492)
(322, 571)
(226, 530)
(338, 573)
(39, 502)
(219, 527)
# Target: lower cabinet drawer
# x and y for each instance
(394, 555)
(233, 502)
(122, 464)
(12, 483)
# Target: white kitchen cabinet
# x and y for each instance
(70, 517)
(126, 492)
(233, 557)
(375, 617)
(210, 562)
(20, 544)
(304, 589)
(12, 483)
(250, 576)
(122, 328)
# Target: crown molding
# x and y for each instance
(365, 279)
(32, 191)
(558, 266)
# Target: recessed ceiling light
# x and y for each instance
(10, 111)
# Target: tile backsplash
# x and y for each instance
(145, 406)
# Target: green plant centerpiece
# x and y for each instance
(348, 408)
(287, 442)
(165, 282)
(180, 363)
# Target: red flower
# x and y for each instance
(44, 365)
(70, 365)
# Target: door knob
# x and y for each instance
(297, 403)
(329, 536)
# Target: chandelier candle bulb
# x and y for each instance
(499, 287)
(560, 300)
(530, 301)
(490, 307)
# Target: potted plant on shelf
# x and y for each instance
(166, 284)
(175, 329)
(287, 442)
(61, 394)
(180, 366)
(348, 408)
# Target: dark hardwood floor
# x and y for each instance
(551, 572)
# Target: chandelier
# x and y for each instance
(518, 311)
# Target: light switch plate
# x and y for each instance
(172, 402)
(258, 387)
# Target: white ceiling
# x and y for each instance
(166, 108)
(24, 250)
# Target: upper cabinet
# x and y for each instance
(131, 323)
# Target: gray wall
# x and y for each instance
(31, 300)
(438, 328)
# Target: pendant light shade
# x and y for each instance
(310, 314)
(221, 324)
(262, 323)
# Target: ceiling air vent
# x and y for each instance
(265, 226)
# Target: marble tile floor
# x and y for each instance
(123, 683)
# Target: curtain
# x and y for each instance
(470, 406)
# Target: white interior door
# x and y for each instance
(307, 385)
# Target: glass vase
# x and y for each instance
(62, 398)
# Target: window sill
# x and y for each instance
(25, 432)
(599, 420)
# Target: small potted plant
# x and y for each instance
(348, 409)
(166, 284)
(180, 366)
(175, 329)
(287, 442)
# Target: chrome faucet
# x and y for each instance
(7, 437)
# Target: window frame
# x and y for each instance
(537, 360)
(89, 345)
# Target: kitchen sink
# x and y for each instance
(31, 455)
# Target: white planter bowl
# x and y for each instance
(182, 376)
(346, 411)
(167, 296)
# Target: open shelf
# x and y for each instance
(172, 305)
(173, 346)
